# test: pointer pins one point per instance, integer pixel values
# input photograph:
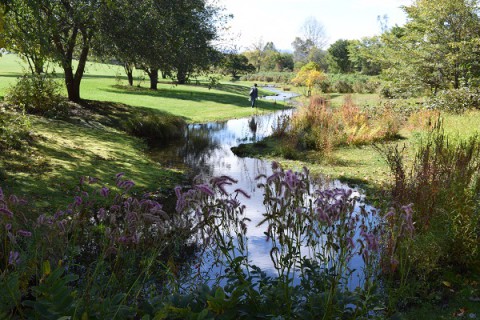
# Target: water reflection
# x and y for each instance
(206, 151)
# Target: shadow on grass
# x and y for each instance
(67, 152)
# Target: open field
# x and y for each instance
(195, 103)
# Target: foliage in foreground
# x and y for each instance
(110, 254)
(443, 186)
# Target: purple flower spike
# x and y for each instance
(13, 258)
(244, 193)
(24, 233)
(6, 212)
(275, 165)
(205, 189)
(77, 200)
(104, 192)
(13, 199)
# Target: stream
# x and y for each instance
(207, 151)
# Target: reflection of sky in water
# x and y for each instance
(207, 151)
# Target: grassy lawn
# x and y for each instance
(63, 152)
(193, 102)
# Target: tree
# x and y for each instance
(314, 31)
(256, 54)
(23, 34)
(66, 29)
(283, 61)
(310, 76)
(131, 31)
(2, 28)
(235, 64)
(338, 57)
(301, 49)
(158, 35)
(362, 54)
(191, 27)
(439, 46)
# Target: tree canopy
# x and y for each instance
(438, 48)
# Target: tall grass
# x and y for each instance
(320, 127)
(443, 184)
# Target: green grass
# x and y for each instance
(193, 102)
(63, 152)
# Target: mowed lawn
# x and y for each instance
(195, 102)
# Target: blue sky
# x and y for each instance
(280, 21)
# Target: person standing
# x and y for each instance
(253, 94)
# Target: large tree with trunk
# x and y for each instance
(133, 32)
(160, 35)
(65, 32)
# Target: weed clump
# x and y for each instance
(320, 127)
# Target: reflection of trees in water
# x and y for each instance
(199, 146)
(205, 147)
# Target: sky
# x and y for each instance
(280, 21)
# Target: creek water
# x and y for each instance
(206, 150)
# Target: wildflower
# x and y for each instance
(104, 192)
(351, 245)
(8, 227)
(58, 214)
(244, 193)
(178, 191)
(102, 213)
(371, 240)
(13, 199)
(393, 264)
(6, 212)
(205, 189)
(128, 184)
(77, 200)
(24, 233)
(275, 165)
(13, 258)
(119, 175)
(390, 213)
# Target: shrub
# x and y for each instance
(277, 77)
(442, 184)
(423, 119)
(456, 100)
(14, 130)
(318, 126)
(37, 94)
(154, 128)
(341, 86)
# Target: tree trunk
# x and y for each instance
(129, 71)
(153, 75)
(181, 76)
(72, 81)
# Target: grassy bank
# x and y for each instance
(60, 152)
(193, 102)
